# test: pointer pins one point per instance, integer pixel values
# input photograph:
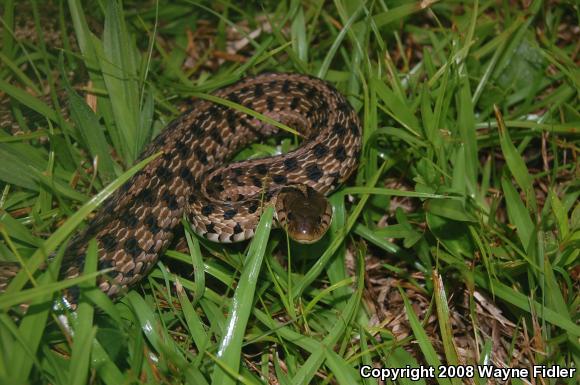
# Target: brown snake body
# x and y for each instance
(223, 202)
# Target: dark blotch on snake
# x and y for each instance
(186, 174)
(354, 128)
(290, 164)
(340, 153)
(216, 136)
(319, 150)
(233, 97)
(339, 129)
(294, 103)
(261, 169)
(207, 209)
(109, 242)
(343, 107)
(167, 156)
(151, 223)
(258, 91)
(253, 206)
(238, 229)
(201, 155)
(270, 103)
(257, 181)
(232, 120)
(286, 86)
(238, 171)
(146, 196)
(196, 130)
(170, 199)
(182, 148)
(164, 174)
(214, 111)
(218, 187)
(229, 214)
(313, 172)
(132, 247)
(279, 179)
(129, 273)
(130, 220)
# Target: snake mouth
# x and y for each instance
(305, 238)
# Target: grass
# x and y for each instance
(456, 242)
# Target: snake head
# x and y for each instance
(303, 212)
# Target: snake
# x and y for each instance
(194, 177)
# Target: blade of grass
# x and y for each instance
(517, 213)
(444, 320)
(92, 133)
(118, 63)
(515, 162)
(423, 340)
(84, 331)
(229, 352)
(246, 110)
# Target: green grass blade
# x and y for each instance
(515, 162)
(423, 340)
(444, 320)
(401, 12)
(517, 213)
(92, 133)
(231, 344)
(118, 63)
(194, 323)
(84, 332)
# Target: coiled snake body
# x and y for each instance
(223, 202)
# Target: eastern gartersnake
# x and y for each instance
(223, 202)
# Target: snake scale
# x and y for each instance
(222, 201)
